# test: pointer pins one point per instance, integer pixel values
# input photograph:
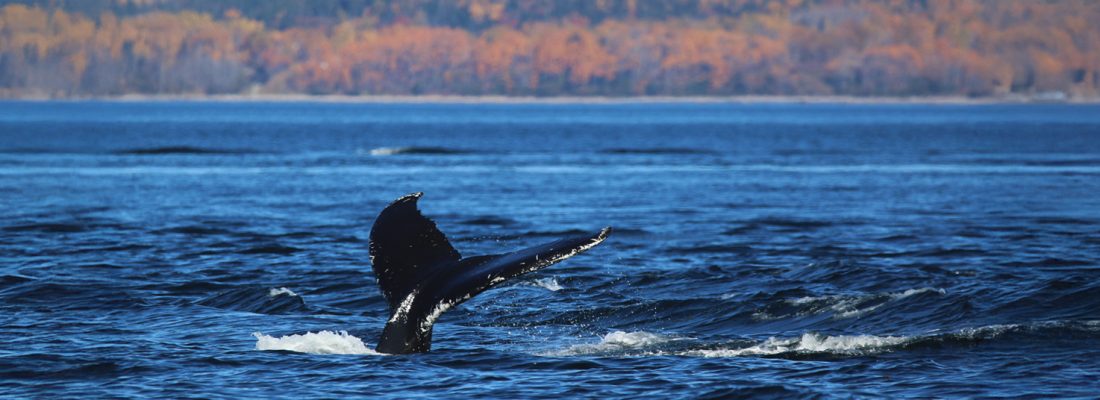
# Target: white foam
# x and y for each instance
(387, 151)
(849, 306)
(812, 343)
(281, 291)
(911, 292)
(617, 341)
(323, 342)
(550, 284)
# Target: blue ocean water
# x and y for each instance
(219, 249)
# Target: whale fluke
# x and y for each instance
(422, 276)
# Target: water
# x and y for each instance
(172, 249)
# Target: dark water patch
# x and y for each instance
(103, 266)
(291, 235)
(898, 238)
(1065, 221)
(263, 237)
(35, 370)
(1071, 298)
(852, 274)
(198, 230)
(488, 220)
(258, 300)
(70, 296)
(1051, 262)
(1028, 334)
(12, 280)
(218, 361)
(937, 252)
(656, 151)
(626, 231)
(950, 252)
(183, 150)
(75, 226)
(347, 239)
(271, 249)
(710, 249)
(129, 247)
(827, 250)
(741, 230)
(760, 392)
(811, 152)
(1035, 162)
(791, 223)
(48, 227)
(972, 233)
(30, 150)
(338, 288)
(196, 287)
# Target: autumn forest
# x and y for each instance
(971, 48)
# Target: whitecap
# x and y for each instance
(281, 291)
(911, 292)
(617, 341)
(323, 342)
(812, 343)
(387, 151)
(550, 284)
(844, 306)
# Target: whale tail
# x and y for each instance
(422, 276)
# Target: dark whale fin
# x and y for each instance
(422, 276)
(404, 246)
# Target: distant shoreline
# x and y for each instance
(458, 99)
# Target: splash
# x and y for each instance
(550, 284)
(812, 343)
(323, 342)
(617, 342)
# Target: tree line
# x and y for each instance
(528, 47)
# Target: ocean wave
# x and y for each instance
(48, 227)
(811, 343)
(66, 295)
(814, 345)
(617, 342)
(425, 150)
(850, 306)
(323, 342)
(258, 300)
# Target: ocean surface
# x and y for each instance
(219, 249)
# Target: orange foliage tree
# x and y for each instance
(529, 47)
